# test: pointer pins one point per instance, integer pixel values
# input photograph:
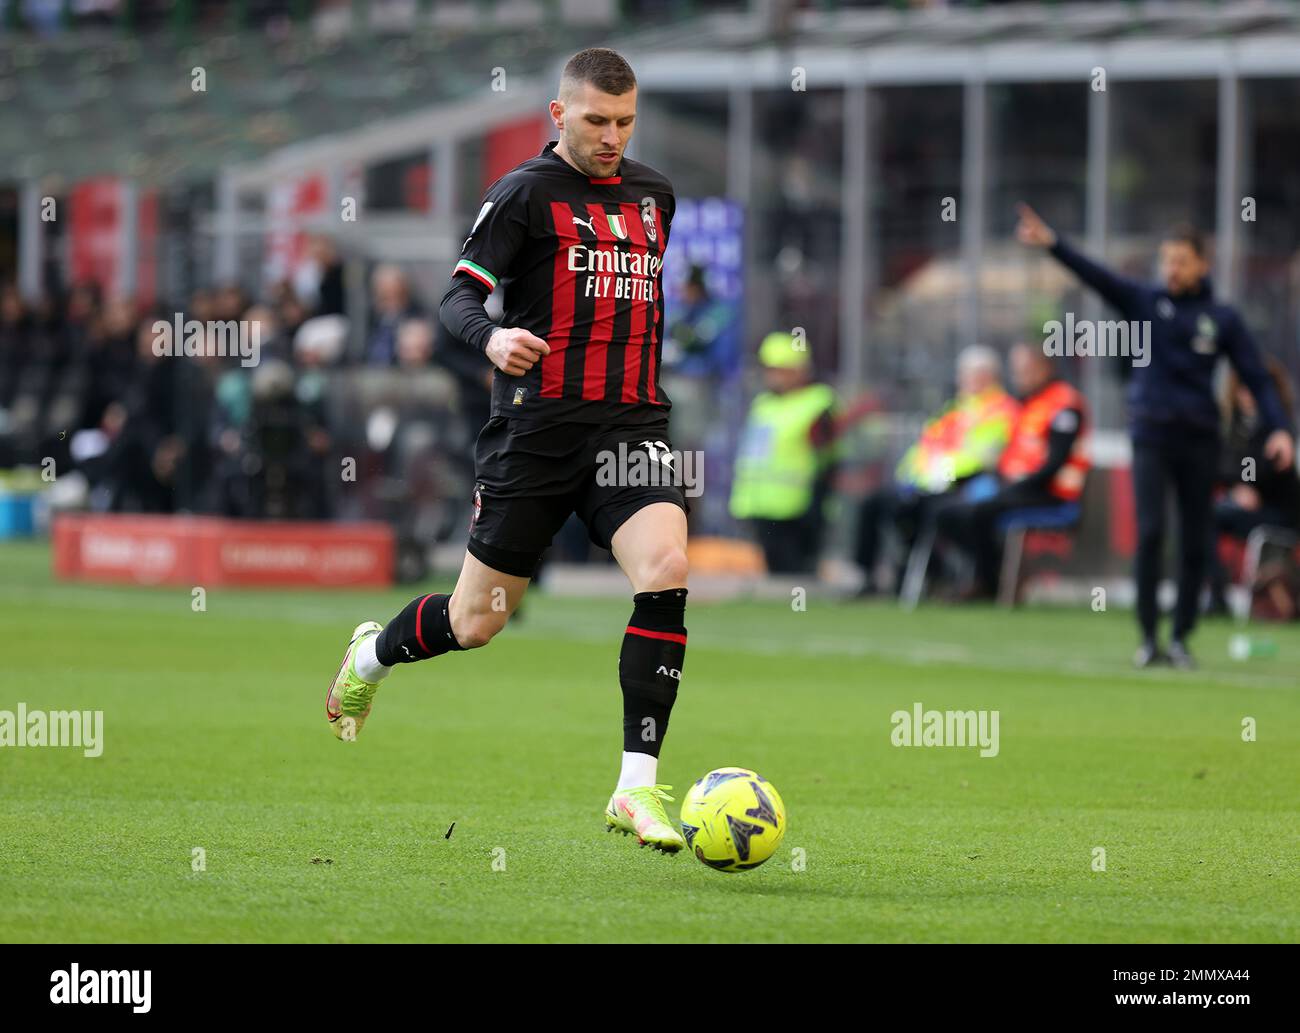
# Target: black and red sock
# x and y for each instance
(650, 667)
(421, 630)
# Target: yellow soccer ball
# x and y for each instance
(733, 819)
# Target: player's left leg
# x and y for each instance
(513, 522)
(650, 546)
(428, 626)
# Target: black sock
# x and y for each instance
(650, 667)
(420, 631)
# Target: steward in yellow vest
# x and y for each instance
(965, 439)
(785, 459)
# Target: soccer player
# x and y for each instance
(1173, 415)
(577, 234)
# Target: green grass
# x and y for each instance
(214, 738)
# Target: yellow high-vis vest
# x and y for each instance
(777, 462)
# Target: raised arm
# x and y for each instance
(1121, 291)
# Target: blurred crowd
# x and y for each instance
(337, 415)
(82, 382)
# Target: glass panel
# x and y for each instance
(1164, 149)
(796, 218)
(684, 135)
(916, 305)
(1038, 154)
(1269, 246)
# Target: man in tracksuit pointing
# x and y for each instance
(1173, 416)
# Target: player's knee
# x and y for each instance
(475, 622)
(477, 629)
(665, 569)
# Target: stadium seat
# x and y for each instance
(918, 564)
(1263, 579)
(1019, 525)
(918, 560)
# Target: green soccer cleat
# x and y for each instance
(640, 812)
(347, 704)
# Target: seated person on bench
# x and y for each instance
(1257, 492)
(962, 441)
(1043, 465)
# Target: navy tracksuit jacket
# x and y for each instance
(1173, 396)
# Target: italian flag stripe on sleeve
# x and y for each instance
(476, 271)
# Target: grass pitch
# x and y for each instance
(214, 739)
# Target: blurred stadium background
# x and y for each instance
(313, 167)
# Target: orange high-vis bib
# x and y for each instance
(1026, 452)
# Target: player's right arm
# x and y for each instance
(1120, 291)
(497, 236)
(512, 350)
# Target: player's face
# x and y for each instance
(1181, 267)
(596, 128)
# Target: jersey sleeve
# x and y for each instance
(498, 233)
(671, 209)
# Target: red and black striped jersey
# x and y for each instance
(580, 260)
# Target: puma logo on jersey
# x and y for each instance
(588, 224)
(671, 672)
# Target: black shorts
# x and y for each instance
(532, 476)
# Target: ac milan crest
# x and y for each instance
(648, 218)
(478, 505)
